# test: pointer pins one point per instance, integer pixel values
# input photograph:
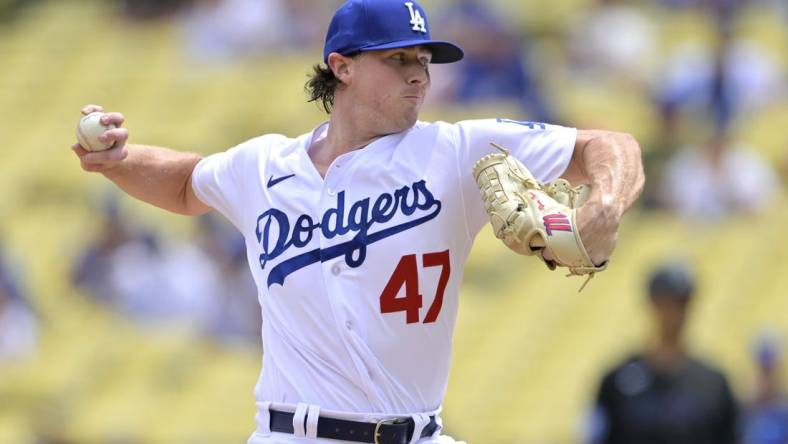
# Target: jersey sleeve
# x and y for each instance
(219, 179)
(544, 149)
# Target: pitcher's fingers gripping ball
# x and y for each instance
(530, 217)
(101, 139)
(89, 131)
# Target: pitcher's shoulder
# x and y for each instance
(263, 145)
(439, 125)
(445, 131)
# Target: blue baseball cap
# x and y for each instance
(369, 25)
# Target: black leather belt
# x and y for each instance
(394, 431)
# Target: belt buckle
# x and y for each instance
(381, 423)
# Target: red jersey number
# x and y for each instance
(407, 275)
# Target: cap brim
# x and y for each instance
(442, 52)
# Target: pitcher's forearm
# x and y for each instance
(158, 176)
(612, 163)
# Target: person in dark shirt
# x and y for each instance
(664, 395)
(766, 418)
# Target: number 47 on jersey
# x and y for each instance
(407, 275)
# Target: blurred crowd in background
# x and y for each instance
(705, 176)
(204, 284)
(708, 84)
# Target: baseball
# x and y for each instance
(89, 130)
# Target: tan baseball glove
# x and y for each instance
(529, 216)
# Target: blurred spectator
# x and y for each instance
(679, 4)
(658, 154)
(767, 417)
(18, 321)
(203, 284)
(716, 180)
(152, 9)
(163, 283)
(237, 317)
(228, 29)
(9, 8)
(664, 395)
(308, 21)
(231, 29)
(717, 7)
(784, 169)
(495, 67)
(616, 41)
(95, 263)
(135, 274)
(736, 77)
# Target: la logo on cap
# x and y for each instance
(418, 22)
(367, 25)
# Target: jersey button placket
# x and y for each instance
(332, 268)
(330, 182)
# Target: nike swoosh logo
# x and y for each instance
(272, 181)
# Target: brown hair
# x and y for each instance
(322, 85)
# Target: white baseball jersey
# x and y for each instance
(358, 272)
